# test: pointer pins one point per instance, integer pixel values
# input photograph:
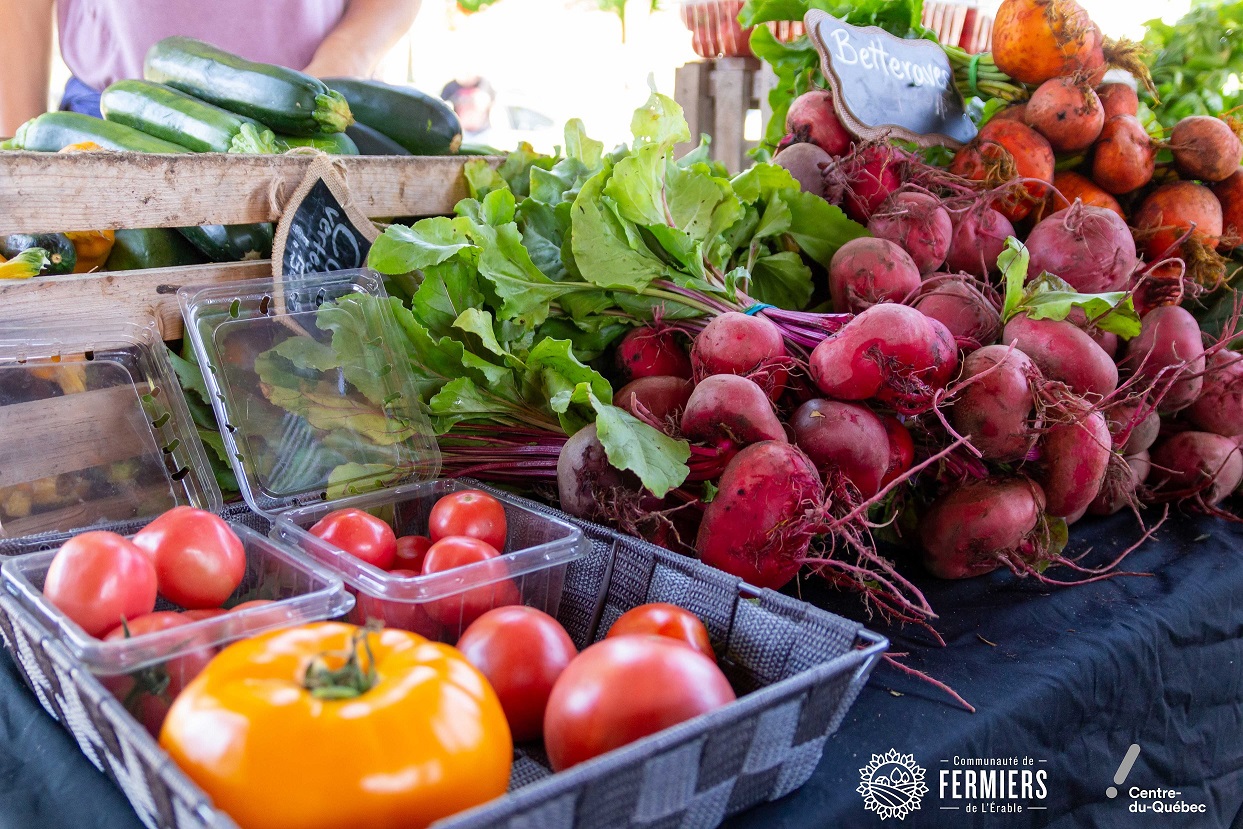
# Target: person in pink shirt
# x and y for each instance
(103, 41)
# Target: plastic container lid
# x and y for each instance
(311, 383)
(93, 429)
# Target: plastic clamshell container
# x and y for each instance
(94, 430)
(530, 571)
(299, 591)
(310, 380)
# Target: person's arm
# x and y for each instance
(26, 44)
(366, 31)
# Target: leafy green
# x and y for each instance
(1197, 63)
(658, 460)
(1050, 297)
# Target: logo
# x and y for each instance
(892, 785)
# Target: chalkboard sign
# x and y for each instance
(320, 230)
(884, 84)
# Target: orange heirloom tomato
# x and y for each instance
(312, 728)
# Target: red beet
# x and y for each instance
(652, 352)
(918, 223)
(979, 238)
(811, 118)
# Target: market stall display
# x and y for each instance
(912, 349)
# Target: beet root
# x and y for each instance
(847, 443)
(1118, 99)
(1205, 148)
(975, 528)
(978, 239)
(1219, 408)
(995, 410)
(919, 224)
(1125, 157)
(1122, 481)
(1171, 211)
(869, 270)
(1168, 353)
(1064, 353)
(1089, 247)
(1068, 114)
(955, 302)
(652, 352)
(662, 398)
(892, 352)
(901, 449)
(755, 528)
(1075, 458)
(749, 346)
(811, 118)
(1229, 193)
(1197, 466)
(805, 161)
(728, 411)
(1002, 152)
(861, 181)
(1070, 186)
(585, 477)
(1134, 426)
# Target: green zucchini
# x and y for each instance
(231, 243)
(337, 143)
(373, 142)
(183, 119)
(422, 124)
(61, 255)
(53, 131)
(286, 100)
(153, 247)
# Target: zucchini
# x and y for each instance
(53, 131)
(422, 124)
(286, 100)
(373, 142)
(153, 247)
(183, 119)
(61, 254)
(338, 143)
(231, 243)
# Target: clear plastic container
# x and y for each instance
(530, 571)
(311, 381)
(93, 430)
(146, 672)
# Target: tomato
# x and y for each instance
(410, 552)
(99, 578)
(460, 609)
(663, 619)
(360, 534)
(203, 613)
(199, 560)
(521, 651)
(148, 692)
(624, 688)
(469, 512)
(410, 616)
(250, 604)
(421, 738)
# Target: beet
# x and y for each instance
(1169, 351)
(1196, 465)
(919, 224)
(729, 411)
(1219, 408)
(663, 398)
(1125, 157)
(968, 531)
(746, 345)
(868, 270)
(1075, 456)
(1118, 99)
(846, 442)
(805, 161)
(979, 238)
(811, 117)
(652, 352)
(995, 411)
(1068, 114)
(1089, 247)
(1064, 353)
(862, 181)
(1205, 148)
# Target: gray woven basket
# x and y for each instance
(796, 668)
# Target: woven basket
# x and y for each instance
(797, 670)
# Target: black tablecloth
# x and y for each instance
(1064, 679)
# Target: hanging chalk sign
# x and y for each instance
(320, 230)
(884, 84)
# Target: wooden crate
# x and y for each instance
(45, 192)
(716, 95)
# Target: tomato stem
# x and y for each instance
(352, 679)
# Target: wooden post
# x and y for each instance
(691, 91)
(716, 96)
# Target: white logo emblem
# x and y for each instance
(892, 785)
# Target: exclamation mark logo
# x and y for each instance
(1124, 769)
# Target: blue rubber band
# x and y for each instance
(756, 308)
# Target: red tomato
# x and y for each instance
(410, 616)
(469, 512)
(99, 578)
(460, 609)
(360, 534)
(410, 552)
(624, 688)
(668, 620)
(521, 651)
(148, 692)
(249, 604)
(203, 613)
(199, 560)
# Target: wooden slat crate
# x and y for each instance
(45, 192)
(716, 95)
